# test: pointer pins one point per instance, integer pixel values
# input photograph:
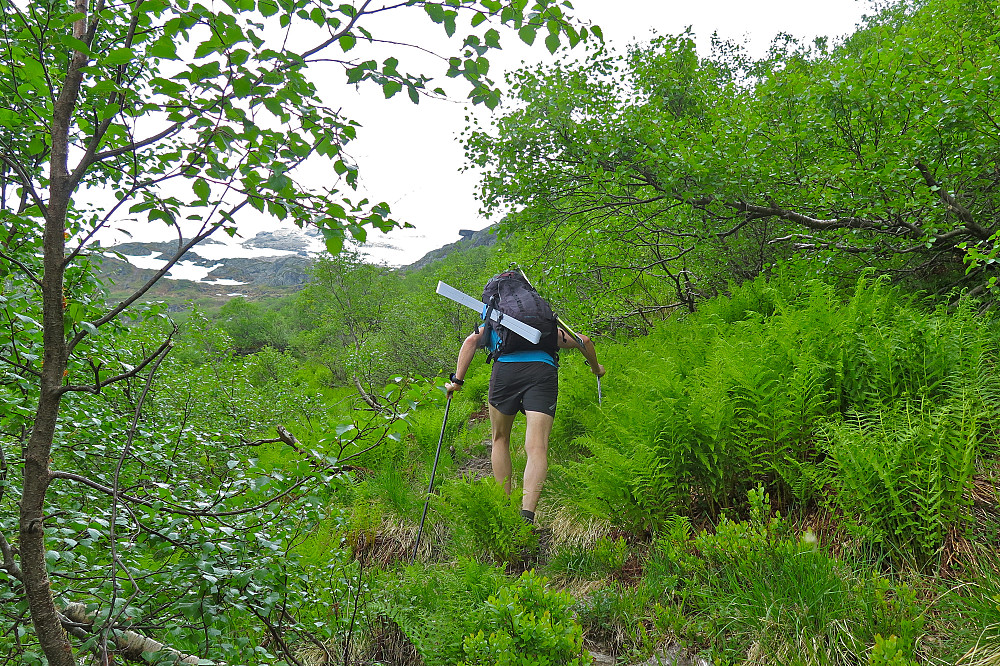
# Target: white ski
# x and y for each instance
(529, 333)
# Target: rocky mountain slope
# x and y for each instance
(273, 264)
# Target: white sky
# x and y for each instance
(409, 155)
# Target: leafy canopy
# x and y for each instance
(683, 171)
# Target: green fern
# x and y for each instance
(906, 474)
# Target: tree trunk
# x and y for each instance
(51, 636)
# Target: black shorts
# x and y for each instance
(531, 386)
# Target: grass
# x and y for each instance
(663, 503)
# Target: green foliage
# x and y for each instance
(974, 608)
(528, 625)
(369, 322)
(874, 151)
(606, 557)
(905, 475)
(741, 393)
(166, 509)
(887, 653)
(486, 522)
(252, 326)
(755, 587)
(437, 607)
(613, 616)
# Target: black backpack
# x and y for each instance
(511, 294)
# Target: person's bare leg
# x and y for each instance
(536, 446)
(500, 456)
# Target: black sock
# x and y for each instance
(529, 516)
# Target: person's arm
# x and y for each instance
(586, 346)
(465, 355)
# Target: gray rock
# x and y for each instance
(283, 271)
(291, 240)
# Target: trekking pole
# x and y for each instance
(430, 488)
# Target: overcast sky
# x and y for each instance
(409, 155)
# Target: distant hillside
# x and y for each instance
(252, 277)
(470, 239)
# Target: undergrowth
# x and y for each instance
(870, 415)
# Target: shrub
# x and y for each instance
(528, 625)
(613, 616)
(437, 607)
(763, 590)
(887, 653)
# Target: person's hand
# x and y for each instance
(599, 370)
(451, 387)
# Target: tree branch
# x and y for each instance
(9, 563)
(98, 384)
(810, 222)
(131, 644)
(170, 507)
(952, 203)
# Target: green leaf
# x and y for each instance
(109, 111)
(390, 88)
(435, 11)
(277, 182)
(527, 34)
(333, 240)
(359, 232)
(119, 56)
(75, 44)
(347, 42)
(552, 43)
(163, 48)
(9, 118)
(27, 320)
(201, 188)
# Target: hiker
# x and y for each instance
(524, 379)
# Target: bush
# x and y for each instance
(762, 589)
(528, 625)
(887, 653)
(437, 607)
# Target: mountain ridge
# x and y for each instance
(226, 277)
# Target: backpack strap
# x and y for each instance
(486, 337)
